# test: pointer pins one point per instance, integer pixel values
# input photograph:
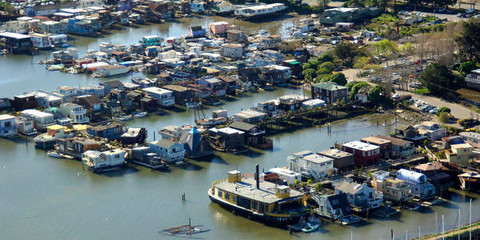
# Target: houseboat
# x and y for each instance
(110, 71)
(49, 139)
(259, 12)
(262, 201)
(97, 161)
(470, 181)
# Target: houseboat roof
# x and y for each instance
(165, 143)
(316, 158)
(375, 140)
(431, 166)
(243, 126)
(246, 188)
(157, 90)
(348, 187)
(329, 86)
(6, 117)
(357, 145)
(14, 35)
(470, 135)
(461, 146)
(394, 140)
(176, 88)
(412, 176)
(226, 130)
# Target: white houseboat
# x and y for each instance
(259, 12)
(97, 161)
(109, 71)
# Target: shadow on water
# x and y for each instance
(191, 167)
(449, 205)
(250, 154)
(119, 173)
(212, 159)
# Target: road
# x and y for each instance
(458, 111)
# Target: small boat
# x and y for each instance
(411, 207)
(386, 212)
(350, 220)
(298, 226)
(54, 154)
(125, 118)
(310, 227)
(140, 115)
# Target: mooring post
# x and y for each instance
(183, 197)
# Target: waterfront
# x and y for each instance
(47, 198)
(21, 73)
(55, 198)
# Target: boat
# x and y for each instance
(260, 12)
(470, 181)
(141, 115)
(385, 212)
(97, 161)
(411, 207)
(262, 201)
(348, 220)
(310, 227)
(109, 71)
(125, 118)
(298, 226)
(47, 140)
(54, 154)
(56, 67)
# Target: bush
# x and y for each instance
(444, 117)
(328, 65)
(322, 71)
(443, 109)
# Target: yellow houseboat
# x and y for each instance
(259, 200)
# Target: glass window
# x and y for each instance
(219, 193)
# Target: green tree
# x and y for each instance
(466, 67)
(438, 79)
(385, 48)
(309, 74)
(328, 65)
(323, 71)
(350, 85)
(325, 57)
(468, 41)
(376, 94)
(345, 51)
(357, 87)
(338, 78)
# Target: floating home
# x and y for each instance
(259, 200)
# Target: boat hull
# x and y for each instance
(281, 222)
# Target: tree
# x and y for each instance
(323, 71)
(345, 51)
(357, 87)
(469, 39)
(328, 65)
(439, 79)
(466, 67)
(385, 48)
(338, 78)
(376, 94)
(325, 57)
(323, 3)
(309, 74)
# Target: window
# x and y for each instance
(227, 195)
(219, 193)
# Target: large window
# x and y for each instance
(219, 193)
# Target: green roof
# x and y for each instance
(329, 86)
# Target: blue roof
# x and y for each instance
(411, 176)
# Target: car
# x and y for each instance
(469, 11)
(441, 10)
(377, 39)
(395, 96)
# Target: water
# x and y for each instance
(48, 198)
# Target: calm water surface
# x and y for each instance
(47, 198)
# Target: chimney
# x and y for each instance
(257, 176)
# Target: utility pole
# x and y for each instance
(470, 221)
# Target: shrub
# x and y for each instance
(444, 117)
